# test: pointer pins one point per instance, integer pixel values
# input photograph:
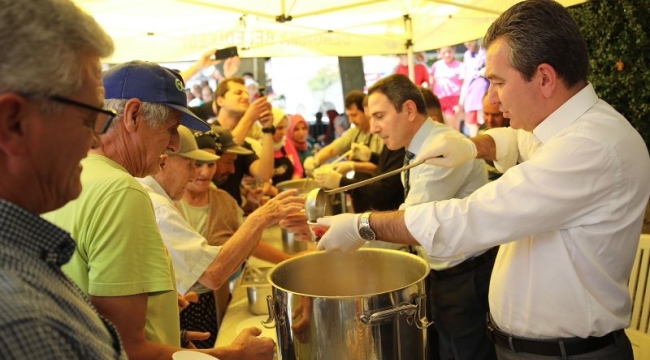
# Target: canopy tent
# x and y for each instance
(180, 30)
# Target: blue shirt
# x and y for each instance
(44, 315)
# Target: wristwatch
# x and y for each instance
(269, 130)
(365, 231)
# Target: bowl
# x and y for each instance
(257, 288)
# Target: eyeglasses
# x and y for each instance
(102, 121)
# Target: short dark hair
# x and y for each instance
(223, 88)
(542, 32)
(431, 101)
(399, 89)
(354, 97)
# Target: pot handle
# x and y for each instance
(410, 310)
(268, 323)
(421, 321)
(401, 309)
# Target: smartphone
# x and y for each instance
(261, 92)
(225, 53)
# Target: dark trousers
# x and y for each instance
(458, 304)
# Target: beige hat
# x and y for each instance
(189, 149)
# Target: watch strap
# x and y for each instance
(269, 130)
(365, 231)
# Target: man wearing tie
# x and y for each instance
(457, 288)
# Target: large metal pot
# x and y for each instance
(367, 304)
(335, 204)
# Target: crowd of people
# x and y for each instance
(141, 208)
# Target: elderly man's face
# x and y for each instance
(61, 139)
(178, 171)
(152, 142)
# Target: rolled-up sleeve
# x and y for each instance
(190, 252)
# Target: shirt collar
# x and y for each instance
(22, 229)
(421, 136)
(152, 184)
(566, 114)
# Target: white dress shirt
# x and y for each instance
(569, 218)
(190, 252)
(432, 183)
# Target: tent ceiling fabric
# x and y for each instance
(179, 30)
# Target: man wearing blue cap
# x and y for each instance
(120, 260)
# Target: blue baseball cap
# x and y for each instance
(151, 83)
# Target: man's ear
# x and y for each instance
(548, 79)
(14, 110)
(410, 109)
(132, 114)
(162, 160)
(218, 102)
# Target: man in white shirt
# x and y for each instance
(567, 211)
(399, 116)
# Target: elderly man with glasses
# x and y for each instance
(50, 116)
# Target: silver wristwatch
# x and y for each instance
(365, 231)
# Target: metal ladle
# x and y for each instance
(315, 202)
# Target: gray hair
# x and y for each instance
(42, 44)
(154, 114)
(542, 32)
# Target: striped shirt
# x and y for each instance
(44, 315)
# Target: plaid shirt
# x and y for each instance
(43, 314)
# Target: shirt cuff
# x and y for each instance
(422, 224)
(188, 281)
(507, 152)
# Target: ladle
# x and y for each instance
(315, 202)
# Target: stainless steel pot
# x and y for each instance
(367, 304)
(335, 204)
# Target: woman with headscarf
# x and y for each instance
(297, 135)
(287, 164)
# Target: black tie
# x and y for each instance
(408, 156)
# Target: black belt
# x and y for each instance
(549, 347)
(467, 265)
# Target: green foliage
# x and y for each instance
(326, 77)
(617, 33)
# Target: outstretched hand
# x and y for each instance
(249, 345)
(448, 151)
(280, 206)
